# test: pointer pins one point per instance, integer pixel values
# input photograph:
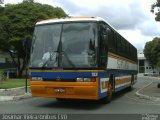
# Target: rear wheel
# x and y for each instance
(132, 81)
(109, 97)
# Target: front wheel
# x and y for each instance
(60, 99)
(109, 95)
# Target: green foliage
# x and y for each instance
(17, 22)
(13, 83)
(152, 51)
(157, 13)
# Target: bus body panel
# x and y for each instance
(64, 90)
(77, 90)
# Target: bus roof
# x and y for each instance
(66, 19)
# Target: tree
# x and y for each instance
(157, 13)
(152, 52)
(17, 23)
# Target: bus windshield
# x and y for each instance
(65, 45)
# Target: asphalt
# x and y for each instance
(150, 92)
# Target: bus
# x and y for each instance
(80, 58)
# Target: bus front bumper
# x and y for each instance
(69, 90)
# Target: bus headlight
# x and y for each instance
(79, 79)
(87, 79)
(37, 78)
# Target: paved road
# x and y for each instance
(124, 102)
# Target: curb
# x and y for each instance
(150, 77)
(26, 95)
(13, 88)
(11, 98)
(146, 96)
(6, 98)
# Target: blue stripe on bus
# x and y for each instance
(67, 75)
(63, 75)
(73, 75)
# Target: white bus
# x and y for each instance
(80, 58)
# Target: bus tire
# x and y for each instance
(158, 85)
(132, 81)
(60, 99)
(109, 95)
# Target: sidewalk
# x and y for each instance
(150, 91)
(14, 94)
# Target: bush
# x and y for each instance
(2, 76)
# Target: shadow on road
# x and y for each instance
(73, 104)
(77, 104)
(122, 93)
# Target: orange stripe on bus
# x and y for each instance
(122, 81)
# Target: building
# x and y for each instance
(5, 61)
(143, 65)
(7, 65)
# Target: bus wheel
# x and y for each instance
(109, 95)
(60, 99)
(131, 86)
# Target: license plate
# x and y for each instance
(59, 90)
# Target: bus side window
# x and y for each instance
(127, 49)
(112, 41)
(119, 45)
(104, 36)
(122, 46)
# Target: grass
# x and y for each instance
(13, 83)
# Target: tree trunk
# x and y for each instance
(20, 64)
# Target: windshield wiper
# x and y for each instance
(60, 52)
(43, 66)
(69, 61)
